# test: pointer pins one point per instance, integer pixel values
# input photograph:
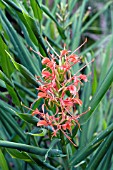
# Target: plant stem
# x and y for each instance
(64, 151)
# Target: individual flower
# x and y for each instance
(72, 89)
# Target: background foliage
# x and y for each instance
(25, 24)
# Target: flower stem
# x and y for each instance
(64, 151)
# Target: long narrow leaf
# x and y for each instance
(82, 153)
(29, 149)
(94, 162)
(3, 162)
(101, 90)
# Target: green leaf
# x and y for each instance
(90, 147)
(20, 49)
(60, 29)
(10, 88)
(24, 89)
(98, 43)
(36, 104)
(29, 22)
(37, 132)
(7, 126)
(13, 5)
(5, 62)
(7, 108)
(54, 142)
(95, 82)
(5, 79)
(34, 32)
(14, 96)
(96, 159)
(96, 15)
(11, 121)
(30, 158)
(3, 162)
(101, 90)
(28, 118)
(76, 39)
(41, 163)
(36, 9)
(106, 60)
(29, 148)
(24, 71)
(2, 6)
(19, 154)
(107, 159)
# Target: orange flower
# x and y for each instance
(41, 95)
(35, 112)
(77, 101)
(64, 52)
(42, 123)
(45, 60)
(72, 89)
(46, 74)
(73, 58)
(83, 77)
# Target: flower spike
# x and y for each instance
(60, 91)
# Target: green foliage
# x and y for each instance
(25, 24)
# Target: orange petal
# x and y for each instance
(45, 60)
(78, 101)
(35, 112)
(64, 52)
(41, 95)
(42, 123)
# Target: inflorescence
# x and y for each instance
(60, 90)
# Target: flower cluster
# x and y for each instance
(59, 90)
